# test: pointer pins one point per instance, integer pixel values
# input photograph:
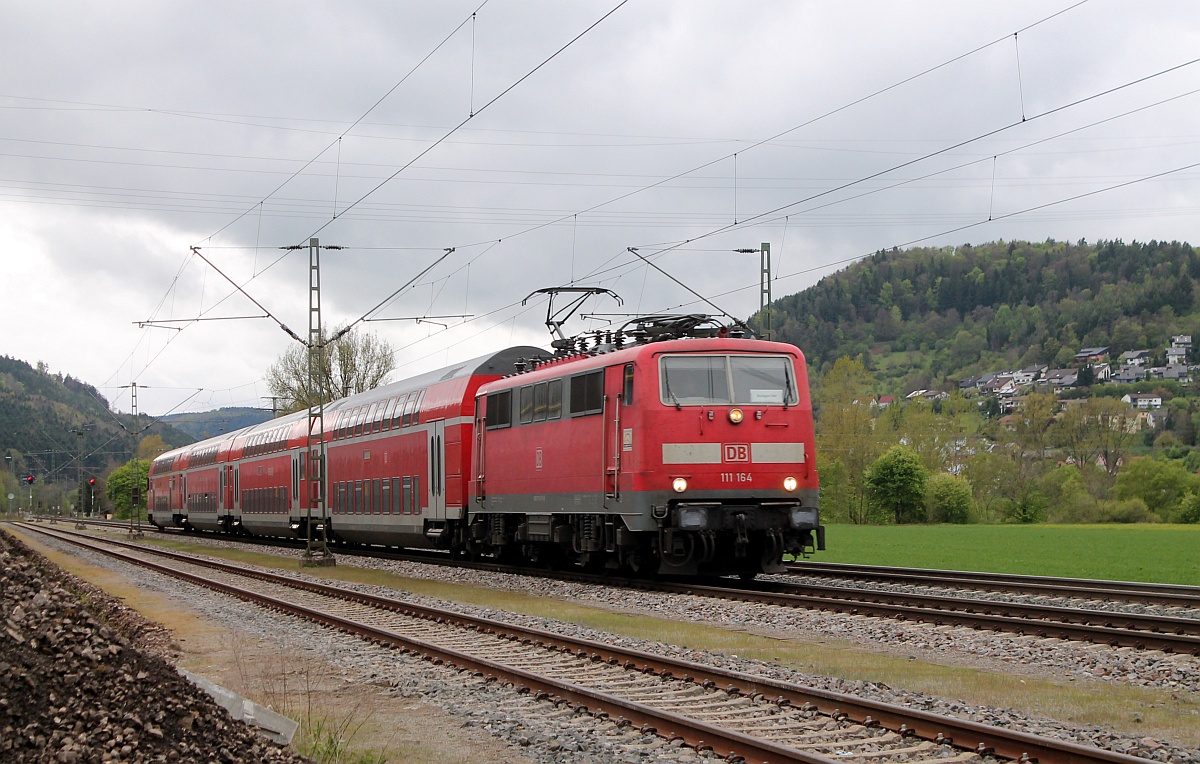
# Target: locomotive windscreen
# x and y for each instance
(698, 380)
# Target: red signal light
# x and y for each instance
(91, 481)
(29, 479)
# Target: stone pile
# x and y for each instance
(74, 689)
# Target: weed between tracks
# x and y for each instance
(328, 730)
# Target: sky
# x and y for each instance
(157, 159)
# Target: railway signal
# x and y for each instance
(29, 479)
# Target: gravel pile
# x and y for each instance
(74, 689)
(561, 737)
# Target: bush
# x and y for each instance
(948, 499)
(1127, 511)
(1188, 509)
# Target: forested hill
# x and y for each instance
(206, 424)
(41, 412)
(924, 317)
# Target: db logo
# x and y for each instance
(736, 452)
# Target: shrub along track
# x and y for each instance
(734, 714)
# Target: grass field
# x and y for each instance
(1159, 553)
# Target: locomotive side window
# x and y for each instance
(554, 399)
(627, 386)
(587, 393)
(539, 402)
(499, 409)
(526, 404)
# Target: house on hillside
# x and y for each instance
(985, 379)
(1176, 356)
(1030, 375)
(1102, 372)
(1176, 371)
(1092, 355)
(884, 401)
(1130, 374)
(1144, 401)
(1182, 341)
(1135, 358)
(1061, 377)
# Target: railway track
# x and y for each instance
(1172, 634)
(1173, 595)
(737, 715)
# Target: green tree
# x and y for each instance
(948, 498)
(121, 484)
(351, 363)
(896, 484)
(846, 430)
(1161, 484)
(152, 446)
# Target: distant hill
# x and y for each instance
(41, 414)
(926, 317)
(206, 424)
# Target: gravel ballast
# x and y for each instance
(557, 735)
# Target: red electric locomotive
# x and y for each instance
(674, 447)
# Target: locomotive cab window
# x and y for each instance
(707, 380)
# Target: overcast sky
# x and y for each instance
(131, 132)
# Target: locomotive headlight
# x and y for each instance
(679, 484)
(735, 415)
(693, 518)
(789, 483)
(804, 517)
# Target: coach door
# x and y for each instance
(437, 470)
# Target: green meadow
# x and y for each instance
(1142, 552)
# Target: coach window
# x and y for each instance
(387, 413)
(587, 393)
(397, 415)
(499, 410)
(395, 505)
(540, 404)
(369, 422)
(358, 497)
(410, 406)
(385, 496)
(377, 420)
(526, 412)
(407, 496)
(627, 387)
(554, 399)
(416, 417)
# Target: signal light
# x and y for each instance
(29, 479)
(91, 481)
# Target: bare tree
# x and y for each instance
(352, 363)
